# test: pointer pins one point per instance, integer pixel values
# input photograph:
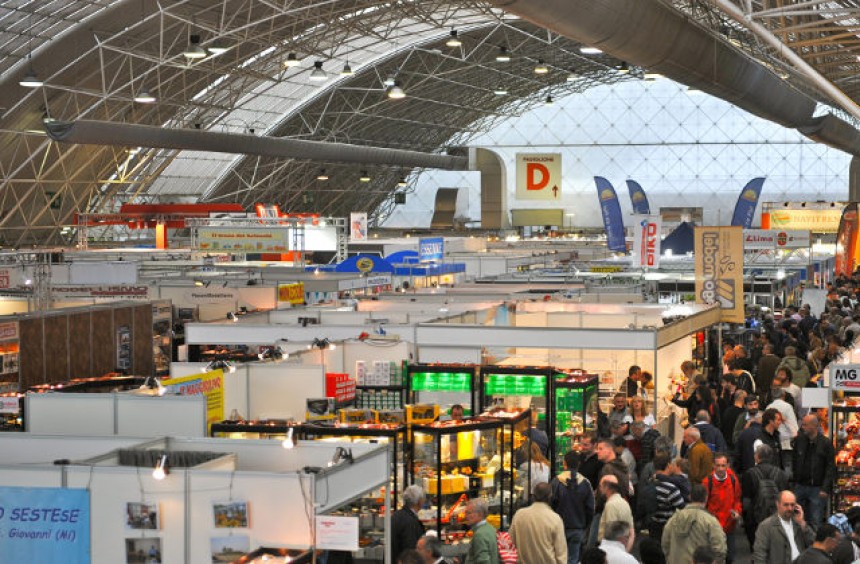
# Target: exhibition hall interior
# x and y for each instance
(406, 281)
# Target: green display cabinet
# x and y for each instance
(442, 384)
(574, 413)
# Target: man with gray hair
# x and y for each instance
(701, 457)
(711, 436)
(430, 549)
(538, 531)
(483, 549)
(406, 528)
(617, 543)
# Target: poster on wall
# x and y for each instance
(141, 516)
(719, 270)
(230, 514)
(123, 347)
(539, 176)
(337, 533)
(646, 241)
(230, 548)
(142, 549)
(45, 525)
(358, 226)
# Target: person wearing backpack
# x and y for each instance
(760, 487)
(573, 500)
(724, 499)
(799, 368)
(783, 536)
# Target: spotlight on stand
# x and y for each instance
(219, 364)
(271, 354)
(232, 317)
(322, 344)
(341, 454)
(161, 470)
(152, 385)
(289, 442)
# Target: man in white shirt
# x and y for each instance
(787, 428)
(786, 524)
(617, 543)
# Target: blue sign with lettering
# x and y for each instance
(431, 249)
(45, 525)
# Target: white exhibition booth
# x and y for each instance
(277, 494)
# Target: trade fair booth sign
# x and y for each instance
(45, 525)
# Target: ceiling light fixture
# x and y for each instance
(503, 56)
(453, 40)
(588, 50)
(292, 61)
(572, 76)
(541, 67)
(624, 68)
(395, 92)
(194, 50)
(548, 101)
(322, 175)
(30, 80)
(364, 176)
(217, 48)
(161, 470)
(289, 442)
(389, 80)
(402, 182)
(144, 97)
(500, 90)
(318, 74)
(346, 70)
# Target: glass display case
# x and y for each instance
(518, 387)
(455, 461)
(516, 456)
(845, 432)
(394, 435)
(442, 384)
(574, 400)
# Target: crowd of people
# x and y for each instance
(754, 466)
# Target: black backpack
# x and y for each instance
(767, 492)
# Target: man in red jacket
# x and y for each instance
(724, 499)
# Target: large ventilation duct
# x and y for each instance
(834, 132)
(658, 38)
(87, 132)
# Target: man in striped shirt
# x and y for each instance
(668, 494)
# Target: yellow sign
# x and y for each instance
(719, 270)
(292, 293)
(364, 264)
(209, 384)
(605, 269)
(248, 239)
(539, 176)
(817, 221)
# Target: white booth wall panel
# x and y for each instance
(69, 414)
(111, 489)
(151, 416)
(279, 391)
(28, 448)
(610, 298)
(275, 513)
(243, 334)
(252, 297)
(100, 273)
(30, 477)
(215, 312)
(180, 369)
(385, 351)
(553, 337)
(449, 354)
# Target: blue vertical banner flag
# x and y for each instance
(45, 525)
(638, 198)
(611, 211)
(747, 202)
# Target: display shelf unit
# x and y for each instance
(516, 453)
(574, 402)
(845, 433)
(394, 435)
(518, 386)
(444, 384)
(455, 461)
(268, 429)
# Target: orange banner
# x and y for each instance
(719, 270)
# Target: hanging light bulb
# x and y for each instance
(194, 50)
(322, 175)
(588, 50)
(292, 61)
(364, 176)
(500, 90)
(503, 56)
(453, 40)
(318, 74)
(624, 68)
(389, 80)
(541, 67)
(395, 92)
(30, 80)
(572, 76)
(160, 471)
(289, 442)
(402, 182)
(144, 97)
(347, 70)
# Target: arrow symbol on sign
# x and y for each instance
(555, 191)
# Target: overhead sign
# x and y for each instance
(102, 293)
(539, 176)
(45, 525)
(646, 241)
(9, 331)
(209, 384)
(719, 270)
(817, 221)
(10, 278)
(358, 226)
(244, 239)
(431, 249)
(845, 377)
(770, 239)
(292, 293)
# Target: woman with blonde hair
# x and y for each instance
(539, 468)
(640, 412)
